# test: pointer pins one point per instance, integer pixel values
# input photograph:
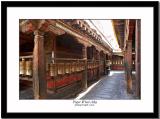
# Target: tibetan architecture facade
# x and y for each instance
(60, 58)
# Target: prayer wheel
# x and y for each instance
(88, 65)
(67, 68)
(29, 68)
(92, 65)
(73, 66)
(22, 67)
(96, 64)
(78, 67)
(60, 68)
(82, 66)
(52, 70)
(107, 64)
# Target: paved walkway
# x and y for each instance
(109, 87)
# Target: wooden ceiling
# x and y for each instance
(119, 27)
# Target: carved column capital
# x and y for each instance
(38, 33)
(30, 25)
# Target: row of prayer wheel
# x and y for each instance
(108, 63)
(92, 65)
(68, 68)
(25, 67)
(56, 69)
(65, 68)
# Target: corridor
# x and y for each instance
(76, 55)
(112, 87)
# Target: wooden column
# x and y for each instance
(105, 70)
(54, 48)
(39, 81)
(54, 61)
(125, 63)
(93, 54)
(138, 58)
(84, 80)
(129, 65)
(99, 68)
(93, 59)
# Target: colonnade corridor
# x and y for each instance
(62, 58)
(113, 86)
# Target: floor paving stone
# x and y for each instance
(111, 87)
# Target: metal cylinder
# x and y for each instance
(22, 67)
(28, 71)
(73, 67)
(60, 68)
(88, 65)
(82, 66)
(67, 68)
(52, 70)
(77, 67)
(92, 65)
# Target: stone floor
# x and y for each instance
(112, 87)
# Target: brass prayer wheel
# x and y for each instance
(96, 64)
(52, 70)
(22, 67)
(92, 65)
(67, 68)
(77, 67)
(28, 68)
(60, 68)
(73, 66)
(80, 66)
(83, 67)
(88, 65)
